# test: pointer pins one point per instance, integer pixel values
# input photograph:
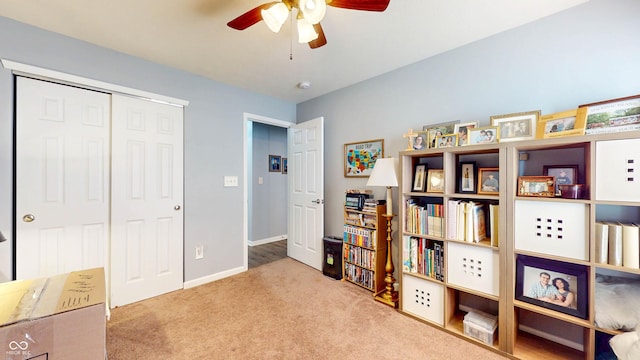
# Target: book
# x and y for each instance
(615, 244)
(602, 242)
(493, 223)
(479, 222)
(630, 246)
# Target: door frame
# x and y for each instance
(251, 118)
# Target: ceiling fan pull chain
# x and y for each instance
(291, 40)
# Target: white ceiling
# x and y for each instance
(192, 35)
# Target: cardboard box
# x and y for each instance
(62, 317)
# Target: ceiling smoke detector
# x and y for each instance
(304, 85)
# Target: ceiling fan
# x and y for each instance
(309, 14)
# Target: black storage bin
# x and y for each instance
(332, 264)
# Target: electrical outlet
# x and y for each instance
(199, 252)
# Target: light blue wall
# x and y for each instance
(585, 54)
(213, 137)
(269, 200)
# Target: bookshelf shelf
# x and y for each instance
(365, 245)
(525, 330)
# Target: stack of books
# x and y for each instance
(467, 221)
(618, 244)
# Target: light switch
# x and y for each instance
(260, 180)
(230, 181)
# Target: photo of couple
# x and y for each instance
(556, 291)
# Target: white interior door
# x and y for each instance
(306, 192)
(147, 197)
(62, 178)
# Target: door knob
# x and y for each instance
(28, 218)
(176, 208)
(317, 201)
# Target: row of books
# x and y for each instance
(359, 236)
(427, 219)
(370, 205)
(424, 256)
(359, 256)
(360, 219)
(358, 275)
(468, 221)
(618, 244)
(355, 199)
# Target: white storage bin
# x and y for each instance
(481, 326)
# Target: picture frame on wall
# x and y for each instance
(563, 174)
(435, 180)
(536, 186)
(462, 130)
(570, 292)
(565, 123)
(467, 177)
(359, 157)
(488, 181)
(517, 126)
(419, 178)
(438, 129)
(275, 163)
(484, 135)
(285, 169)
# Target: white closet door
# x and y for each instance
(62, 178)
(147, 196)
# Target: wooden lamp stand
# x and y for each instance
(388, 296)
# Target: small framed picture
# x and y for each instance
(419, 177)
(488, 183)
(285, 170)
(462, 130)
(517, 126)
(275, 163)
(447, 140)
(438, 129)
(435, 180)
(565, 123)
(484, 135)
(615, 115)
(540, 186)
(420, 141)
(467, 177)
(563, 174)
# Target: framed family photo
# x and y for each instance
(553, 284)
(359, 157)
(447, 140)
(517, 126)
(275, 163)
(462, 130)
(563, 174)
(467, 178)
(565, 123)
(536, 186)
(484, 135)
(488, 182)
(438, 129)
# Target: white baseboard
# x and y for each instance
(214, 277)
(550, 337)
(267, 240)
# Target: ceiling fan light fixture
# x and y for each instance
(313, 10)
(306, 32)
(275, 16)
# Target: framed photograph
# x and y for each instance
(565, 123)
(359, 157)
(467, 177)
(488, 183)
(622, 114)
(517, 126)
(462, 130)
(563, 174)
(553, 285)
(540, 186)
(438, 129)
(285, 170)
(419, 177)
(274, 163)
(435, 180)
(420, 141)
(484, 135)
(447, 140)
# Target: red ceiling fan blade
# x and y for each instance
(367, 5)
(321, 40)
(249, 18)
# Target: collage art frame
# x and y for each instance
(360, 157)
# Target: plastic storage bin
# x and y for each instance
(481, 326)
(332, 264)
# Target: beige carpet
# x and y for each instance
(281, 310)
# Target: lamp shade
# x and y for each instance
(275, 16)
(313, 10)
(384, 173)
(306, 32)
